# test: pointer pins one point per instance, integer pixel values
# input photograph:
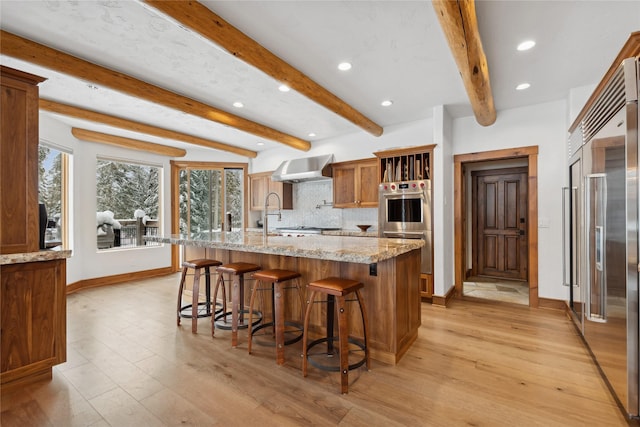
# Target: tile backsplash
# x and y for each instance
(309, 209)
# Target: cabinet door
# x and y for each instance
(18, 166)
(258, 190)
(368, 185)
(344, 190)
(33, 318)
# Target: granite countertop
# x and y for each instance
(332, 248)
(354, 233)
(23, 257)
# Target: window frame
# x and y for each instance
(66, 188)
(161, 214)
(179, 165)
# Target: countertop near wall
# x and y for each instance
(24, 257)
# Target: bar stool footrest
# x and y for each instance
(221, 324)
(335, 355)
(299, 329)
(185, 310)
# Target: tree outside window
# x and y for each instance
(51, 188)
(127, 202)
(206, 195)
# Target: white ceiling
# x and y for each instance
(397, 49)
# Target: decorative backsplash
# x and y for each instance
(308, 200)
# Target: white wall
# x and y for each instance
(544, 125)
(443, 256)
(357, 145)
(86, 261)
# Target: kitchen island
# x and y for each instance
(388, 268)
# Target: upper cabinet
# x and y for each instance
(19, 229)
(355, 184)
(260, 184)
(406, 164)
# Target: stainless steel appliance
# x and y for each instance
(405, 212)
(601, 228)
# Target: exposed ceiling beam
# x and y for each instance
(458, 21)
(205, 22)
(94, 116)
(133, 144)
(30, 51)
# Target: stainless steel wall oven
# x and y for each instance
(405, 212)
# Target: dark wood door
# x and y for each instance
(500, 213)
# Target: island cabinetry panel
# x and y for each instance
(392, 296)
(260, 184)
(355, 184)
(18, 162)
(33, 319)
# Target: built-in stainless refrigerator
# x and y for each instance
(601, 228)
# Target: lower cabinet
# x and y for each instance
(33, 321)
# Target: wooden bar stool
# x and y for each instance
(277, 278)
(336, 290)
(193, 310)
(237, 270)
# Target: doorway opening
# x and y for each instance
(496, 234)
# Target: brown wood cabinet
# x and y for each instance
(260, 184)
(355, 184)
(33, 319)
(18, 161)
(407, 164)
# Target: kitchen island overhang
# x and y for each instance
(388, 268)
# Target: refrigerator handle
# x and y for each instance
(565, 282)
(597, 263)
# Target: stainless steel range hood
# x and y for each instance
(304, 169)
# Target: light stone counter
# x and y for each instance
(324, 247)
(24, 257)
(353, 233)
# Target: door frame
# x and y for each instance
(460, 210)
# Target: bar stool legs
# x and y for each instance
(336, 289)
(197, 265)
(277, 278)
(237, 271)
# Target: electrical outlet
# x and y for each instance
(373, 269)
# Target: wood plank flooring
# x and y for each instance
(474, 363)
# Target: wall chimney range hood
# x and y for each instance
(305, 169)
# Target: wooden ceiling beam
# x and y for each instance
(35, 53)
(94, 116)
(132, 144)
(460, 26)
(202, 20)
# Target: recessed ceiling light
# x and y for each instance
(238, 104)
(311, 134)
(386, 103)
(523, 86)
(260, 143)
(526, 45)
(344, 66)
(284, 88)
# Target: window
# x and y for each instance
(208, 196)
(128, 203)
(53, 188)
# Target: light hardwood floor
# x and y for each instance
(474, 363)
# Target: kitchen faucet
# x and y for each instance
(265, 230)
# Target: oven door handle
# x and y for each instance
(403, 195)
(402, 234)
